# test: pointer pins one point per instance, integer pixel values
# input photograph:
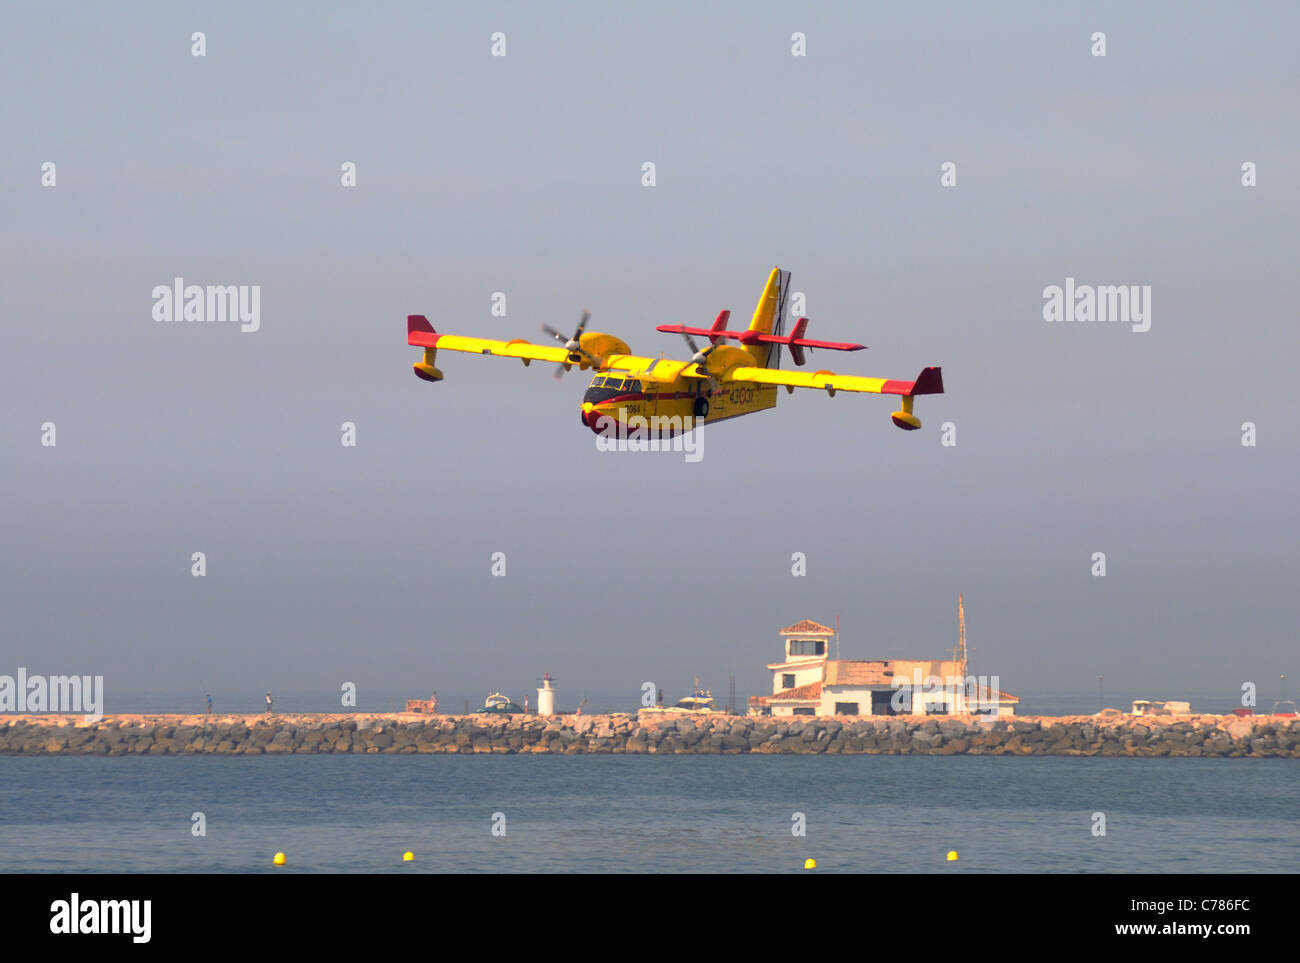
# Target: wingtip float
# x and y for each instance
(738, 373)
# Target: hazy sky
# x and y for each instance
(522, 174)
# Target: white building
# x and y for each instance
(1145, 707)
(807, 682)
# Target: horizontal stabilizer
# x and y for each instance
(757, 337)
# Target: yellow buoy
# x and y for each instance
(952, 855)
(810, 863)
(408, 856)
(279, 859)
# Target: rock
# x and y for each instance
(1256, 737)
(1238, 728)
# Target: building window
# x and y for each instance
(787, 680)
(804, 711)
(808, 647)
(846, 708)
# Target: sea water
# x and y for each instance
(670, 814)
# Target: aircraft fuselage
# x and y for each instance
(679, 405)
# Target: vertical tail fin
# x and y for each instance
(769, 318)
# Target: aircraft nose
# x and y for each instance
(590, 416)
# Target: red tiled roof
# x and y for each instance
(847, 672)
(807, 627)
(813, 690)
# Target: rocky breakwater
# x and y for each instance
(1217, 736)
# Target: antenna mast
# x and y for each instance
(961, 631)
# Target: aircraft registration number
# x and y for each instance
(735, 396)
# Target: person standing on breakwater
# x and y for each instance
(268, 702)
(433, 703)
(209, 698)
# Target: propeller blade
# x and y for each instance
(572, 344)
(582, 325)
(697, 356)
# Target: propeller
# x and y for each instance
(572, 345)
(700, 357)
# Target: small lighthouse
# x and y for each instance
(546, 696)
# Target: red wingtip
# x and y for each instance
(928, 382)
(420, 332)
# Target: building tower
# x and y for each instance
(546, 696)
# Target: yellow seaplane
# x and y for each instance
(737, 374)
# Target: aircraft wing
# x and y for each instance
(420, 333)
(928, 382)
(662, 370)
(609, 350)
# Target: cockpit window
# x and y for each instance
(610, 383)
